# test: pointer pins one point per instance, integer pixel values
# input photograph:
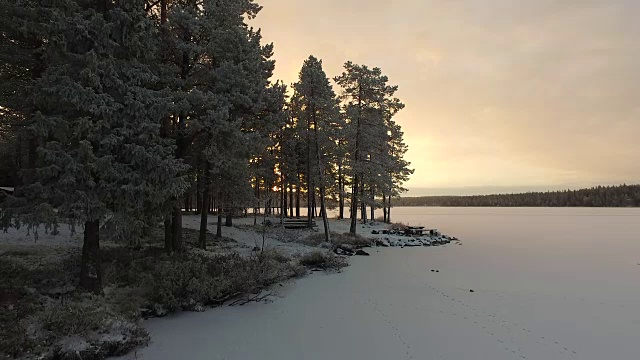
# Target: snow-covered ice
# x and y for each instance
(547, 284)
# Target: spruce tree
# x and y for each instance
(101, 158)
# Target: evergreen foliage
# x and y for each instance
(118, 116)
(599, 196)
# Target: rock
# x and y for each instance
(362, 252)
(341, 251)
(374, 232)
(346, 247)
(438, 271)
(471, 290)
(433, 270)
(382, 243)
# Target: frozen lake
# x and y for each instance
(552, 283)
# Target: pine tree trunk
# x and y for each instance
(285, 197)
(200, 194)
(309, 204)
(298, 198)
(384, 208)
(354, 192)
(323, 209)
(389, 211)
(90, 269)
(204, 209)
(373, 207)
(219, 224)
(340, 193)
(313, 204)
(291, 200)
(354, 205)
(363, 205)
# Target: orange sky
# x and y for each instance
(499, 93)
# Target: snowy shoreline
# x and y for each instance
(287, 253)
(556, 295)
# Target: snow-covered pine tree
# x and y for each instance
(219, 75)
(364, 93)
(399, 168)
(388, 156)
(101, 158)
(317, 112)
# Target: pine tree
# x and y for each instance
(101, 158)
(316, 109)
(218, 75)
(365, 94)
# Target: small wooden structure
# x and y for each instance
(297, 223)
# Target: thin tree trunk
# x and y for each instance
(384, 208)
(389, 211)
(373, 207)
(354, 205)
(340, 193)
(204, 209)
(298, 198)
(323, 209)
(200, 193)
(291, 205)
(285, 197)
(354, 192)
(256, 209)
(363, 205)
(90, 269)
(219, 224)
(309, 203)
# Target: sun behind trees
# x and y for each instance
(129, 113)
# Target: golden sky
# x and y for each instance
(499, 93)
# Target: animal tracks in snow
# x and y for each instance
(396, 331)
(508, 334)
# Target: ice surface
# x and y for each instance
(547, 284)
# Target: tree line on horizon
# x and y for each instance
(117, 115)
(598, 196)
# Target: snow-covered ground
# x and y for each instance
(547, 284)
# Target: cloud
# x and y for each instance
(498, 92)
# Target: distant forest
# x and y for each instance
(600, 196)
